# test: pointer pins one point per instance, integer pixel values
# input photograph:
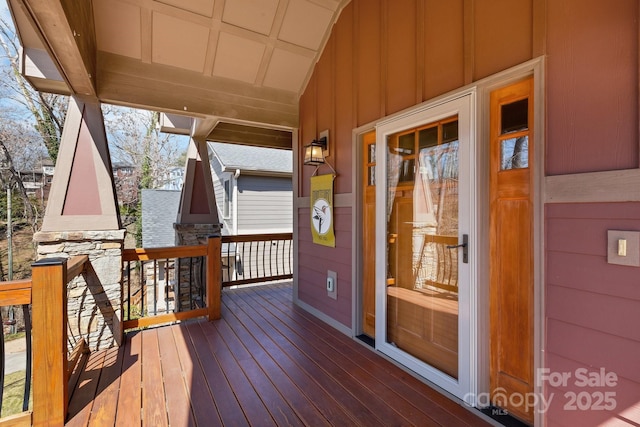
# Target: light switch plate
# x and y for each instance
(632, 247)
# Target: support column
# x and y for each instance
(197, 214)
(82, 218)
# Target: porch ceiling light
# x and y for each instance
(314, 152)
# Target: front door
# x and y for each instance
(511, 248)
(423, 277)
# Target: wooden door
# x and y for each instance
(511, 247)
(369, 235)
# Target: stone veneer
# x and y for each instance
(189, 235)
(95, 298)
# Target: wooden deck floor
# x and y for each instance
(265, 363)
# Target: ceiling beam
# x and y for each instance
(67, 30)
(129, 82)
(250, 135)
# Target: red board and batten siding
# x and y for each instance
(592, 86)
(387, 55)
(315, 260)
(593, 309)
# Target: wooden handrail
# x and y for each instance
(76, 265)
(146, 254)
(15, 292)
(256, 237)
(211, 251)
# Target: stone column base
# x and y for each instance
(192, 284)
(195, 234)
(94, 300)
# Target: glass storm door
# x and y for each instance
(424, 292)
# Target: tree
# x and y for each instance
(31, 125)
(47, 110)
(136, 140)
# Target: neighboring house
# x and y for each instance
(126, 182)
(37, 182)
(159, 212)
(253, 188)
(173, 179)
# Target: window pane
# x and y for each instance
(514, 153)
(428, 137)
(450, 132)
(372, 154)
(422, 271)
(515, 116)
(405, 144)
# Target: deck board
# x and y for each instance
(177, 397)
(266, 362)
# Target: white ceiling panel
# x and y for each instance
(305, 24)
(287, 70)
(179, 43)
(253, 15)
(123, 38)
(201, 7)
(238, 58)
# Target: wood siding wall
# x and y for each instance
(265, 204)
(388, 55)
(593, 309)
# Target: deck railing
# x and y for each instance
(52, 365)
(256, 258)
(162, 285)
(17, 293)
(191, 275)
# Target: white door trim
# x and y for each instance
(462, 104)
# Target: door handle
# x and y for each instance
(465, 248)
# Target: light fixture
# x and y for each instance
(315, 152)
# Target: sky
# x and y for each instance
(179, 142)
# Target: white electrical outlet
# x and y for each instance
(332, 284)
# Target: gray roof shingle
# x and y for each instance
(248, 158)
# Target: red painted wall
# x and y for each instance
(593, 312)
(388, 55)
(592, 81)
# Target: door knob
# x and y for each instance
(465, 248)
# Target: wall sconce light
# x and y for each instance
(315, 152)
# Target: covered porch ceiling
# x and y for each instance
(236, 66)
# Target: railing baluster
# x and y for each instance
(190, 283)
(27, 376)
(142, 287)
(167, 282)
(202, 280)
(264, 257)
(155, 288)
(177, 293)
(128, 290)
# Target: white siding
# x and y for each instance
(218, 188)
(265, 205)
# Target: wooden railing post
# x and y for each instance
(214, 276)
(49, 306)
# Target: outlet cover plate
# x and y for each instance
(633, 247)
(333, 294)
